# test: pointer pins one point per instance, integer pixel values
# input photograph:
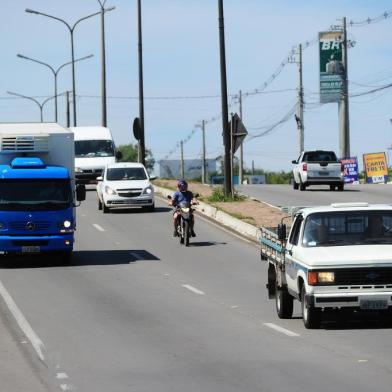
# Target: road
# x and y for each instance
(138, 312)
(285, 195)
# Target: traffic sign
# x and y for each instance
(238, 131)
(137, 128)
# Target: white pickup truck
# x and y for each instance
(335, 257)
(318, 168)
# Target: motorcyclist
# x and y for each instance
(182, 195)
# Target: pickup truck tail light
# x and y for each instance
(305, 167)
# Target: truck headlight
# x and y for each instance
(110, 191)
(326, 277)
(67, 224)
(78, 170)
(148, 190)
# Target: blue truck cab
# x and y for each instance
(37, 199)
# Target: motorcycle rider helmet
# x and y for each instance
(182, 185)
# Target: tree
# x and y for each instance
(130, 153)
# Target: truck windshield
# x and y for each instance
(126, 173)
(94, 148)
(35, 195)
(320, 156)
(348, 228)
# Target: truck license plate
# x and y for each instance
(31, 249)
(325, 173)
(373, 304)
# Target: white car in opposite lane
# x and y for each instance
(125, 185)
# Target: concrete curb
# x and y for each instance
(245, 229)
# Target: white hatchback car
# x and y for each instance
(124, 185)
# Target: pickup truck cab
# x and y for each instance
(318, 168)
(335, 257)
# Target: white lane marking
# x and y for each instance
(66, 387)
(98, 227)
(61, 376)
(362, 360)
(281, 330)
(35, 341)
(83, 215)
(136, 256)
(193, 289)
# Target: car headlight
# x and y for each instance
(67, 224)
(78, 170)
(326, 277)
(110, 191)
(315, 278)
(148, 190)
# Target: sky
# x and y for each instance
(182, 71)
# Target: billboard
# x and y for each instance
(331, 66)
(376, 167)
(350, 170)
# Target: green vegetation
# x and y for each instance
(218, 195)
(130, 152)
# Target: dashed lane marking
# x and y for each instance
(35, 341)
(193, 289)
(285, 331)
(98, 227)
(61, 376)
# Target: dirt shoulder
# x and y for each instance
(250, 211)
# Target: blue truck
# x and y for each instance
(37, 189)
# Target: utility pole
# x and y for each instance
(225, 111)
(182, 171)
(344, 122)
(300, 122)
(204, 171)
(253, 168)
(68, 112)
(241, 162)
(142, 150)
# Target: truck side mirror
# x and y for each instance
(80, 192)
(119, 155)
(152, 178)
(282, 232)
(294, 162)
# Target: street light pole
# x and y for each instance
(40, 105)
(55, 74)
(225, 110)
(71, 30)
(103, 63)
(142, 152)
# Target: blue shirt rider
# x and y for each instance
(180, 196)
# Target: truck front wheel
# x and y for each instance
(284, 303)
(311, 316)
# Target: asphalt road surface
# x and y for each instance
(285, 195)
(138, 312)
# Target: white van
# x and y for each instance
(94, 149)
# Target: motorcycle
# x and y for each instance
(184, 227)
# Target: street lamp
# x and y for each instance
(103, 62)
(40, 105)
(55, 74)
(71, 30)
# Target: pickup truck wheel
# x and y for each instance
(302, 186)
(105, 209)
(332, 187)
(99, 205)
(295, 184)
(284, 303)
(341, 188)
(311, 316)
